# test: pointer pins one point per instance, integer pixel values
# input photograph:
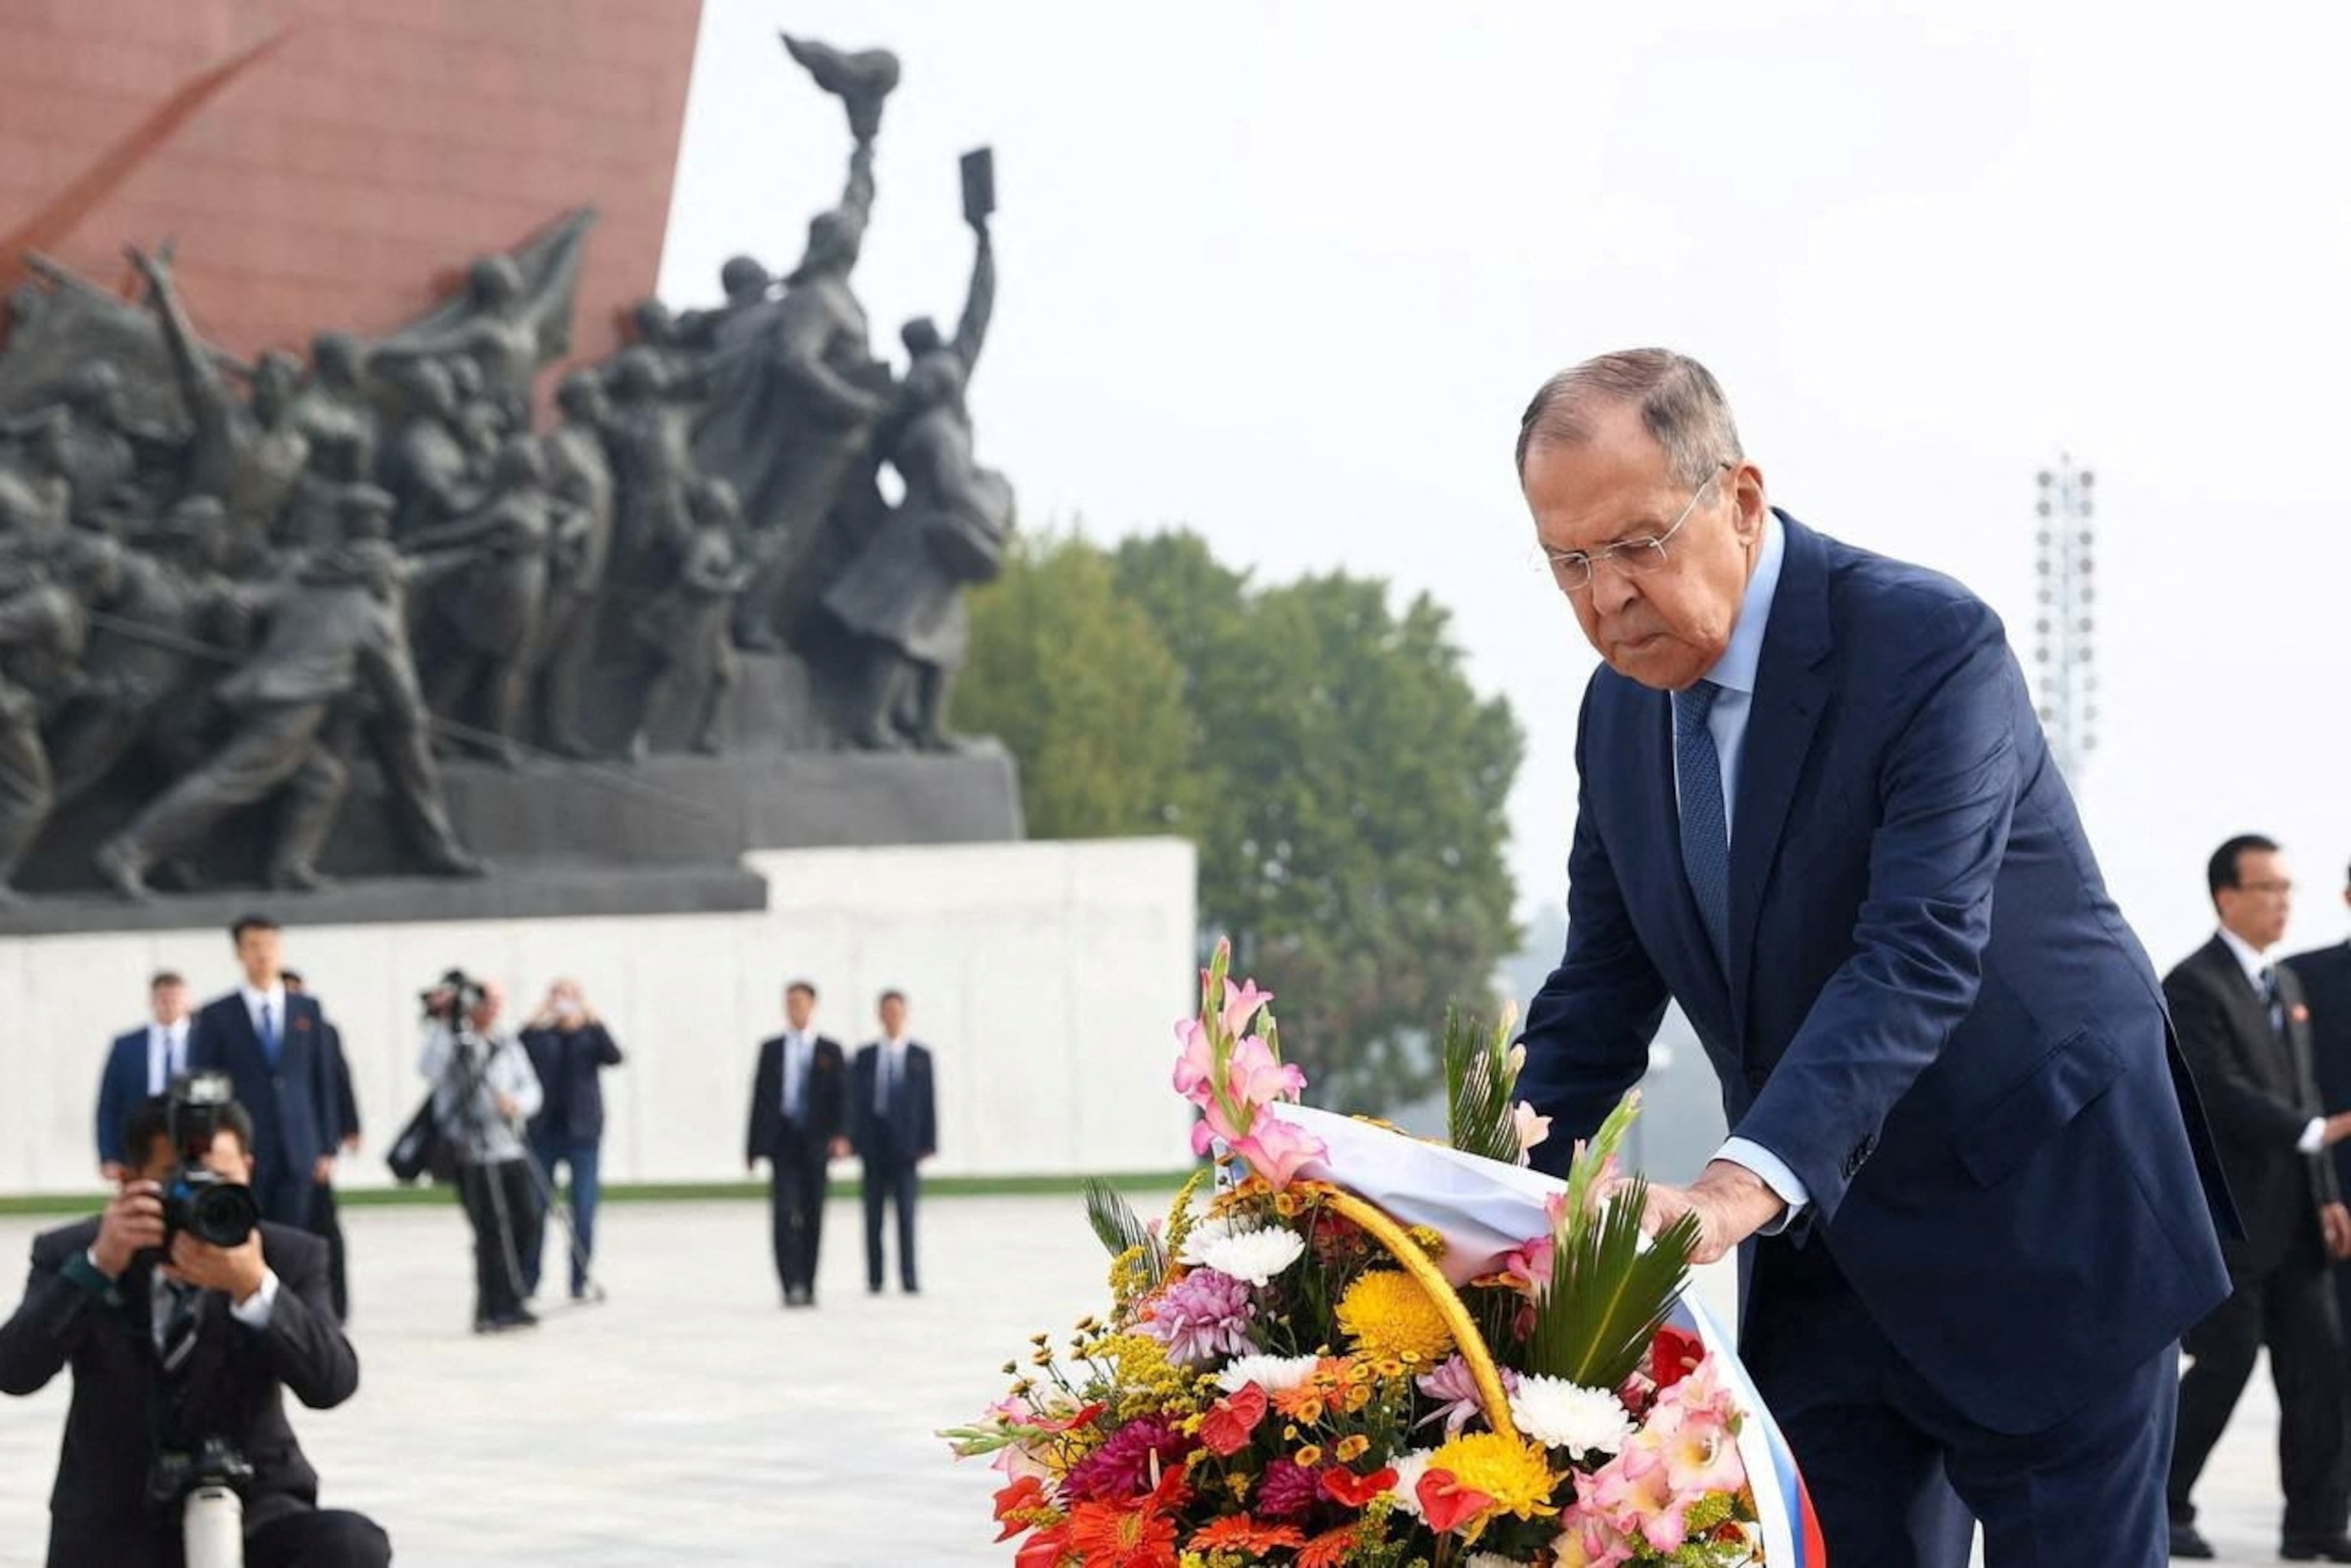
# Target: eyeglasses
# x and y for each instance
(1572, 568)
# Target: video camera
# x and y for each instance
(198, 1199)
(452, 998)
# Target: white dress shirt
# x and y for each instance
(167, 1054)
(797, 1053)
(2256, 963)
(274, 999)
(1734, 673)
(889, 1070)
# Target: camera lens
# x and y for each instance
(223, 1216)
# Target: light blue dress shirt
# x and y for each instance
(1727, 721)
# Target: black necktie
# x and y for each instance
(177, 1337)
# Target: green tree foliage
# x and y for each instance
(1075, 680)
(1343, 782)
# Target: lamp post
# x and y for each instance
(2065, 627)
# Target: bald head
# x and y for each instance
(1680, 402)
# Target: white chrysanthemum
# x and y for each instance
(1406, 1488)
(1206, 1233)
(1272, 1373)
(1256, 1256)
(1562, 1415)
(1490, 1560)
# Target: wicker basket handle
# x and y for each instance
(1431, 1279)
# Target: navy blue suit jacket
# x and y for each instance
(1934, 1013)
(121, 1088)
(296, 1111)
(909, 1131)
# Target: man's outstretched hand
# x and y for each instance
(1731, 1202)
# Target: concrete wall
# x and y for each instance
(1045, 975)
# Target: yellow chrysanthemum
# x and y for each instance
(1514, 1473)
(1387, 1313)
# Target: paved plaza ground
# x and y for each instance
(691, 1420)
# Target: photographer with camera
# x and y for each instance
(183, 1317)
(484, 1090)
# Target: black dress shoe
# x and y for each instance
(2187, 1542)
(2317, 1549)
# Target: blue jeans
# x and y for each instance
(580, 1156)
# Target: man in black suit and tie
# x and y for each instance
(800, 1119)
(895, 1129)
(273, 1045)
(2325, 977)
(2244, 1028)
(166, 1354)
(326, 1214)
(141, 1063)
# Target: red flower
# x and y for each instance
(1044, 1550)
(1119, 1535)
(1226, 1428)
(1446, 1503)
(1067, 1423)
(1241, 1533)
(1674, 1355)
(1345, 1486)
(1018, 1506)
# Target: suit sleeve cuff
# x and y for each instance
(256, 1311)
(1775, 1175)
(2314, 1137)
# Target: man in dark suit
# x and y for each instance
(895, 1128)
(799, 1119)
(2325, 977)
(326, 1214)
(273, 1045)
(140, 1064)
(1972, 1195)
(165, 1354)
(2245, 1030)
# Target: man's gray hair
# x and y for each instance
(1680, 403)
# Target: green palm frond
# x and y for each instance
(1477, 1087)
(1608, 1296)
(1115, 1223)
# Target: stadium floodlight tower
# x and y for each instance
(2067, 627)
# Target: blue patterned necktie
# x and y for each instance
(1706, 829)
(269, 1038)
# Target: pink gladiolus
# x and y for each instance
(1275, 1149)
(1242, 1003)
(1254, 1078)
(1533, 1129)
(1586, 1539)
(1691, 1430)
(1530, 1266)
(1633, 1492)
(1196, 1068)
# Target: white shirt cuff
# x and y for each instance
(2314, 1137)
(255, 1310)
(1775, 1175)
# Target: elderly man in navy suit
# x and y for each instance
(272, 1042)
(1971, 1187)
(140, 1063)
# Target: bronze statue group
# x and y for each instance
(223, 586)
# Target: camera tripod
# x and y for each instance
(471, 1061)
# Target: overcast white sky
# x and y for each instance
(1287, 272)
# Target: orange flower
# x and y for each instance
(1020, 1506)
(1352, 1448)
(1239, 1532)
(1330, 1548)
(1121, 1535)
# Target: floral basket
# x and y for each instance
(1362, 1350)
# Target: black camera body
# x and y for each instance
(452, 998)
(176, 1473)
(197, 1199)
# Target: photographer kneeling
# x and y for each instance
(484, 1089)
(180, 1347)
